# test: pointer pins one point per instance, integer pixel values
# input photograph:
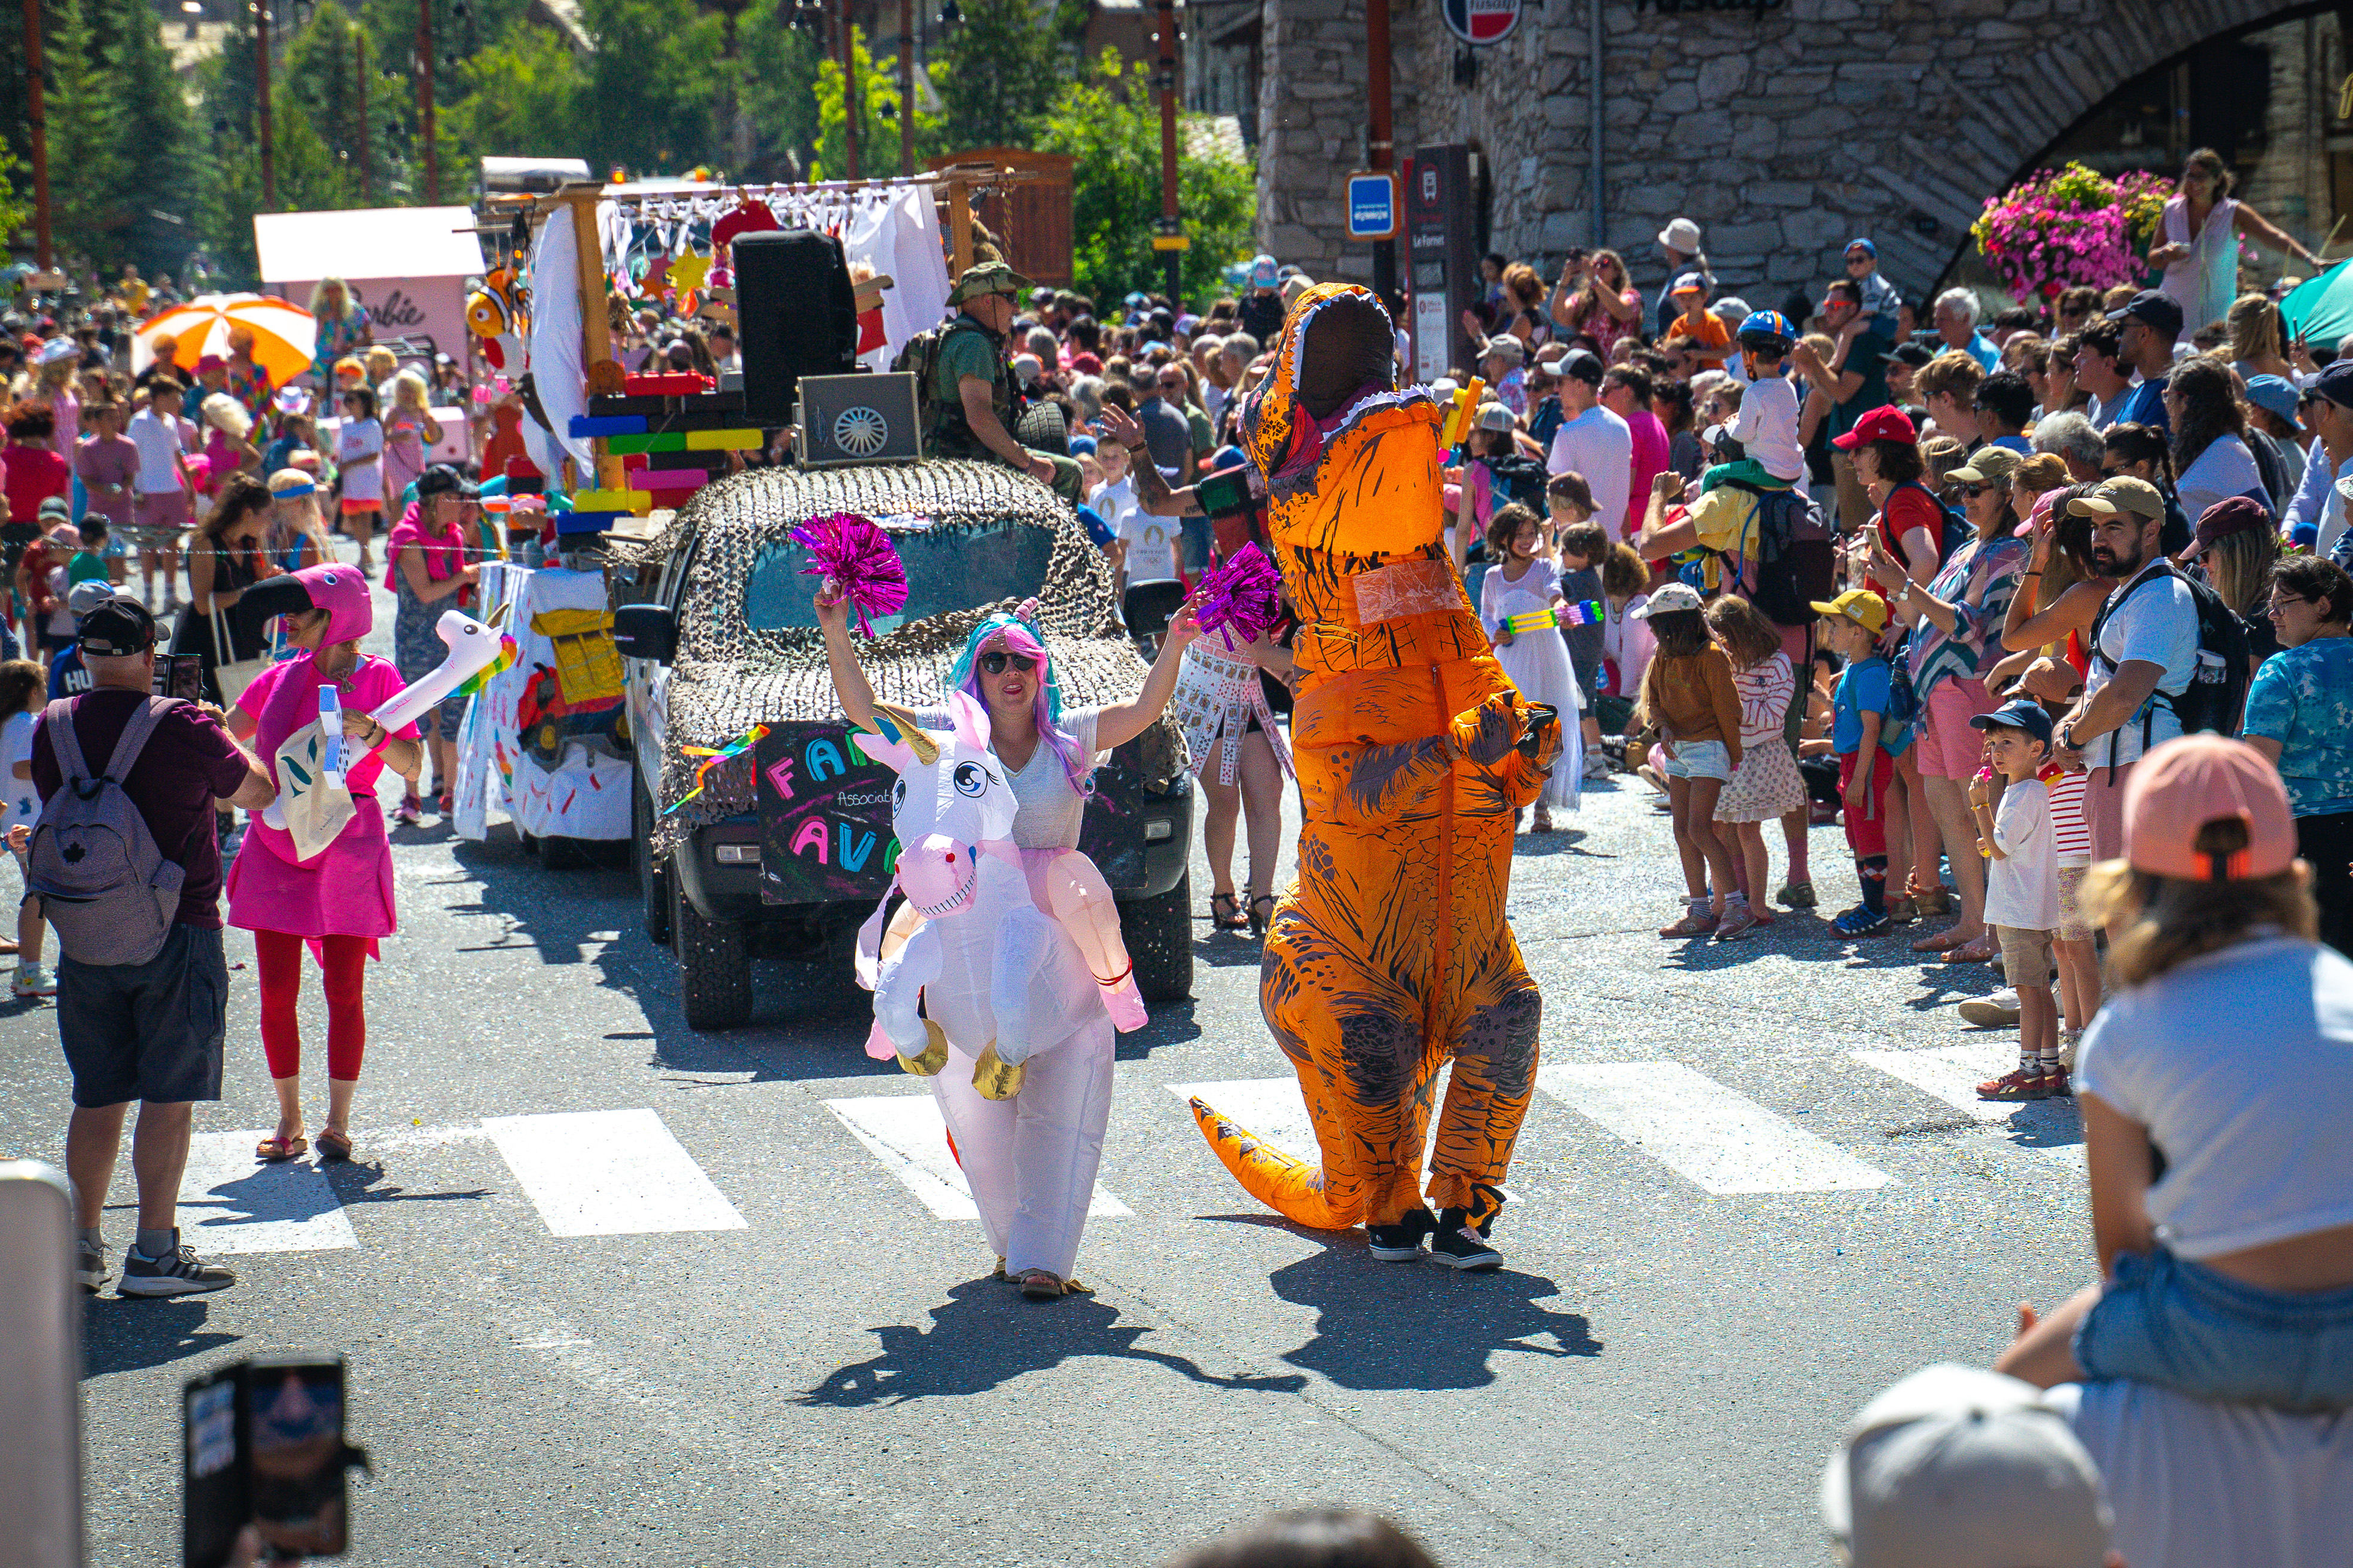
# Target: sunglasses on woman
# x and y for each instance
(1973, 492)
(994, 662)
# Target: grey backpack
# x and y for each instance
(94, 865)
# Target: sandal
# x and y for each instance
(333, 1145)
(1230, 917)
(1258, 922)
(1971, 952)
(1943, 941)
(275, 1150)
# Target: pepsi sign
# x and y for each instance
(1480, 21)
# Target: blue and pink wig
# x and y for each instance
(1018, 633)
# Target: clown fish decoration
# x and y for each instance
(496, 311)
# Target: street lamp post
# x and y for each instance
(1171, 240)
(1380, 145)
(424, 99)
(38, 112)
(906, 87)
(848, 89)
(262, 99)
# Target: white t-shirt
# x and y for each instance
(1113, 501)
(2197, 1484)
(2023, 881)
(158, 440)
(2156, 624)
(2225, 468)
(1152, 542)
(1767, 425)
(1597, 444)
(361, 438)
(24, 806)
(2240, 1063)
(1050, 810)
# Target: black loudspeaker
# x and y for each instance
(797, 316)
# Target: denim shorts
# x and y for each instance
(2166, 1320)
(1698, 760)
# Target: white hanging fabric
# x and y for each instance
(872, 237)
(921, 275)
(557, 374)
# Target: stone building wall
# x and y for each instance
(1783, 133)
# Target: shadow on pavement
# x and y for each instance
(1382, 1325)
(987, 1335)
(119, 1335)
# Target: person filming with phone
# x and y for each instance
(143, 986)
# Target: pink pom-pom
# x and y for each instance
(1243, 595)
(858, 562)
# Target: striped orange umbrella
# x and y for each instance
(285, 336)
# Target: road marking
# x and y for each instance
(230, 1201)
(1274, 1110)
(1722, 1141)
(906, 1133)
(1952, 1073)
(610, 1173)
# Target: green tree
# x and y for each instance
(87, 166)
(157, 192)
(777, 90)
(16, 208)
(1109, 123)
(1004, 65)
(878, 119)
(522, 98)
(646, 104)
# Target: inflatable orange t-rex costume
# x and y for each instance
(1390, 954)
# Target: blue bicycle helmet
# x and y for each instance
(1768, 331)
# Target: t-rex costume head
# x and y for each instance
(1390, 955)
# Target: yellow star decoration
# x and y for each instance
(688, 271)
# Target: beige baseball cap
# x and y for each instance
(1960, 1468)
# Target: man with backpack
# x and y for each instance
(2160, 662)
(127, 864)
(964, 383)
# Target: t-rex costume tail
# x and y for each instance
(1390, 955)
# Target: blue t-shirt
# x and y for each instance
(1981, 348)
(2144, 405)
(1862, 688)
(2303, 697)
(69, 676)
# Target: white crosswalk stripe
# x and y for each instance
(1721, 1140)
(1952, 1073)
(610, 1173)
(907, 1134)
(1274, 1110)
(230, 1201)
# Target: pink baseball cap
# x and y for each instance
(2181, 786)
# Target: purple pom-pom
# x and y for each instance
(857, 561)
(1244, 594)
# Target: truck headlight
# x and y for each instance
(736, 854)
(1158, 830)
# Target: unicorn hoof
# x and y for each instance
(994, 1077)
(1124, 1002)
(934, 1056)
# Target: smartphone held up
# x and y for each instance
(263, 1444)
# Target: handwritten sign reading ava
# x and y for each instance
(1480, 21)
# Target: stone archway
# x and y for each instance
(1783, 132)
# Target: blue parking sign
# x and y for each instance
(1373, 204)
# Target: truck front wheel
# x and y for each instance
(714, 965)
(1159, 935)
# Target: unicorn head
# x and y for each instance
(950, 801)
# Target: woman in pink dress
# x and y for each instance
(339, 901)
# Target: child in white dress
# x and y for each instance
(1520, 582)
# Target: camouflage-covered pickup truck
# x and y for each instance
(788, 846)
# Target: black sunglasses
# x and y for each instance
(1973, 492)
(994, 662)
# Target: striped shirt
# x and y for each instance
(2070, 833)
(1764, 689)
(1977, 581)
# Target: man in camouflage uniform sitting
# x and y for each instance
(966, 383)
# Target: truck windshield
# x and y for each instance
(954, 569)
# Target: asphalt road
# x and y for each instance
(716, 1318)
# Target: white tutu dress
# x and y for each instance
(1538, 664)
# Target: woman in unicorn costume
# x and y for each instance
(1010, 934)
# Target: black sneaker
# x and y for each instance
(1402, 1242)
(1458, 1245)
(179, 1272)
(90, 1265)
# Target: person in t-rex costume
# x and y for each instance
(1390, 956)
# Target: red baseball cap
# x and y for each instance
(1887, 423)
(2189, 781)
